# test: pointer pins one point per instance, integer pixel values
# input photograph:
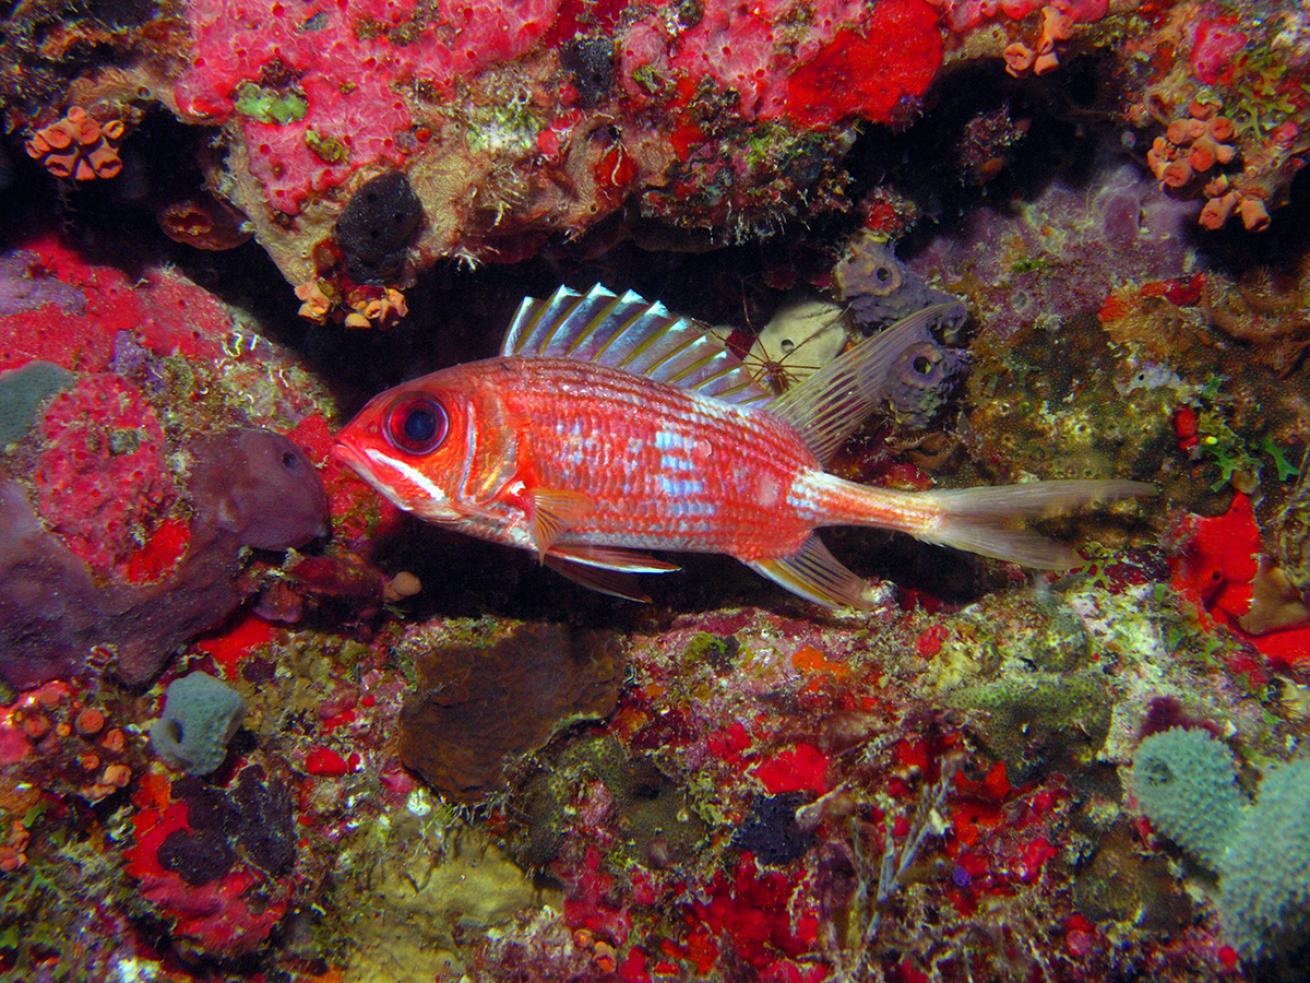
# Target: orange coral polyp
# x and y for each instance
(78, 146)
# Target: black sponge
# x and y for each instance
(376, 226)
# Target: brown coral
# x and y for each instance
(477, 705)
(79, 146)
(1265, 310)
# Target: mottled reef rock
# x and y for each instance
(248, 489)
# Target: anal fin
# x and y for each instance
(550, 512)
(817, 575)
(602, 579)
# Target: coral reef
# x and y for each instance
(249, 489)
(413, 756)
(465, 721)
(71, 746)
(102, 482)
(216, 862)
(514, 123)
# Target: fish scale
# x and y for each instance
(608, 426)
(621, 445)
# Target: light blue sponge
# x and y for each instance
(200, 716)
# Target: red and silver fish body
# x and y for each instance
(608, 427)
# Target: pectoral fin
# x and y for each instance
(550, 512)
(816, 575)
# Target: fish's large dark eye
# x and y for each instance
(415, 424)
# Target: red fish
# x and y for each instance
(608, 426)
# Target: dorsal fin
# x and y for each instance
(630, 334)
(830, 405)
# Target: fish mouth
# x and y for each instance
(384, 475)
(348, 455)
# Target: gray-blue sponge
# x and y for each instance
(1185, 782)
(200, 716)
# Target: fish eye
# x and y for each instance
(416, 424)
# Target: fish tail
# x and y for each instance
(982, 520)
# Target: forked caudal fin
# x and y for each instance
(982, 520)
(978, 520)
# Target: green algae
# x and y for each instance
(1034, 722)
(656, 819)
(1118, 884)
(410, 889)
(1029, 631)
(1291, 531)
(267, 105)
(1061, 404)
(328, 149)
(43, 903)
(505, 126)
(713, 650)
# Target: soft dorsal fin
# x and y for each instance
(630, 334)
(829, 406)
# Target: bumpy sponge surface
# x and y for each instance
(1264, 897)
(200, 716)
(1185, 783)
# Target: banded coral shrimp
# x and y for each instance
(814, 330)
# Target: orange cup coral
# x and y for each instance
(79, 146)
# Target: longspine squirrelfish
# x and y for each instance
(608, 426)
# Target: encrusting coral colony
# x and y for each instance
(258, 722)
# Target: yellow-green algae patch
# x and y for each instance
(410, 887)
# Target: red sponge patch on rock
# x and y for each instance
(870, 74)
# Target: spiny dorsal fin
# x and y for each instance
(630, 334)
(830, 405)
